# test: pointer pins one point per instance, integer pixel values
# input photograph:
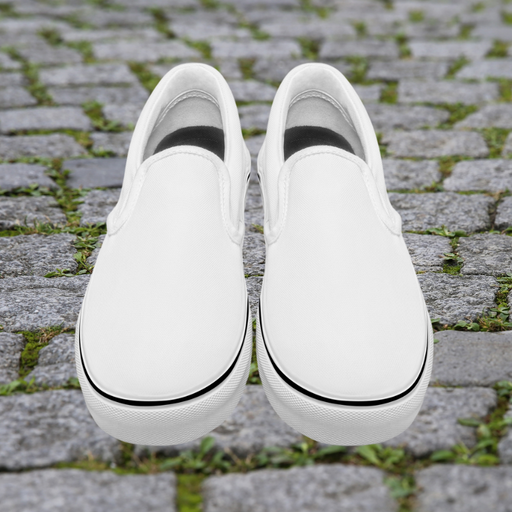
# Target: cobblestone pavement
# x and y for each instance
(436, 77)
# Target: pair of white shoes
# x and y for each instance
(164, 337)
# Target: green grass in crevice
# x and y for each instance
(85, 48)
(203, 47)
(456, 66)
(389, 93)
(416, 16)
(246, 67)
(361, 29)
(161, 22)
(310, 48)
(94, 110)
(499, 50)
(321, 12)
(51, 36)
(188, 493)
(383, 148)
(495, 139)
(148, 79)
(403, 45)
(447, 163)
(452, 262)
(465, 32)
(505, 89)
(457, 111)
(359, 68)
(506, 17)
(35, 87)
(252, 132)
(210, 4)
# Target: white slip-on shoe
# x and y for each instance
(344, 340)
(163, 340)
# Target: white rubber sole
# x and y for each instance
(168, 424)
(339, 424)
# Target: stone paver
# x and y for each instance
(54, 145)
(56, 363)
(97, 205)
(254, 116)
(126, 114)
(461, 488)
(452, 298)
(504, 214)
(13, 176)
(251, 90)
(433, 210)
(44, 118)
(492, 68)
(12, 79)
(95, 172)
(486, 254)
(13, 96)
(449, 49)
(435, 143)
(46, 55)
(476, 175)
(472, 358)
(60, 490)
(328, 488)
(368, 93)
(44, 428)
(11, 347)
(116, 143)
(255, 49)
(88, 74)
(148, 52)
(403, 69)
(102, 94)
(29, 303)
(427, 251)
(372, 49)
(391, 117)
(114, 34)
(489, 116)
(410, 174)
(254, 254)
(436, 426)
(36, 255)
(276, 69)
(505, 444)
(7, 63)
(26, 210)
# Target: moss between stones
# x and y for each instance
(148, 79)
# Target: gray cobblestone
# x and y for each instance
(106, 95)
(276, 69)
(91, 260)
(410, 174)
(482, 69)
(55, 145)
(461, 488)
(88, 74)
(32, 303)
(12, 79)
(391, 117)
(56, 362)
(148, 52)
(253, 207)
(94, 36)
(44, 118)
(42, 429)
(251, 90)
(493, 32)
(474, 175)
(203, 30)
(254, 289)
(452, 298)
(116, 143)
(427, 251)
(325, 487)
(486, 254)
(7, 63)
(368, 93)
(29, 26)
(254, 116)
(47, 55)
(504, 214)
(431, 30)
(254, 254)
(505, 445)
(16, 211)
(450, 50)
(15, 97)
(308, 28)
(126, 114)
(36, 255)
(106, 18)
(95, 172)
(58, 490)
(11, 347)
(457, 212)
(14, 176)
(489, 116)
(435, 143)
(436, 426)
(97, 205)
(364, 48)
(255, 49)
(472, 358)
(449, 91)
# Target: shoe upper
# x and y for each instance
(165, 311)
(342, 313)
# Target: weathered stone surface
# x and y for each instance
(12, 79)
(56, 363)
(58, 490)
(13, 176)
(255, 49)
(6, 62)
(457, 212)
(476, 175)
(32, 303)
(11, 347)
(254, 116)
(253, 207)
(15, 211)
(391, 117)
(430, 29)
(91, 260)
(311, 28)
(116, 143)
(254, 254)
(489, 116)
(203, 30)
(427, 251)
(55, 145)
(106, 95)
(95, 172)
(436, 426)
(112, 34)
(254, 289)
(368, 93)
(147, 52)
(505, 445)
(435, 143)
(449, 91)
(486, 254)
(452, 298)
(276, 69)
(402, 69)
(410, 174)
(44, 118)
(126, 114)
(489, 68)
(362, 48)
(493, 32)
(325, 487)
(46, 55)
(88, 74)
(106, 18)
(253, 426)
(44, 428)
(251, 90)
(449, 49)
(461, 488)
(97, 205)
(36, 255)
(472, 358)
(14, 96)
(504, 214)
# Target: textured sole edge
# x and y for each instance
(338, 424)
(168, 424)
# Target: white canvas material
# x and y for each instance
(344, 340)
(164, 336)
